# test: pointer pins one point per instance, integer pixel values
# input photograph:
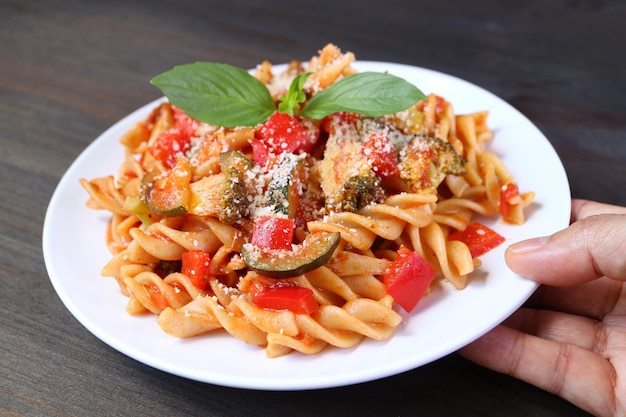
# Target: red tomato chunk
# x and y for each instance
(279, 134)
(378, 150)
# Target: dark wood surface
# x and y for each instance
(70, 69)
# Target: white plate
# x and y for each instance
(74, 252)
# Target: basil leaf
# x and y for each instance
(295, 96)
(218, 94)
(373, 94)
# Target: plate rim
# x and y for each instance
(260, 382)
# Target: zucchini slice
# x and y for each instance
(167, 194)
(234, 196)
(285, 188)
(315, 251)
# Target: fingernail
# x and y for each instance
(529, 245)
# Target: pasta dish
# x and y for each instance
(300, 231)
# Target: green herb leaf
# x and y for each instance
(218, 94)
(370, 93)
(295, 96)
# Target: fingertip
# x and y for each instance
(526, 246)
(519, 256)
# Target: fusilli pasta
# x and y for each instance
(443, 177)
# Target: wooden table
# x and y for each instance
(69, 69)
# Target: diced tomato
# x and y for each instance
(176, 140)
(296, 299)
(338, 120)
(196, 264)
(260, 153)
(185, 124)
(282, 133)
(273, 233)
(378, 150)
(509, 196)
(479, 238)
(169, 145)
(407, 278)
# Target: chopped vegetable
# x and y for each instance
(185, 124)
(282, 133)
(479, 238)
(314, 252)
(426, 161)
(235, 160)
(359, 191)
(176, 140)
(509, 196)
(168, 193)
(335, 121)
(273, 233)
(407, 278)
(163, 268)
(298, 300)
(379, 151)
(234, 196)
(134, 205)
(285, 187)
(169, 145)
(260, 153)
(196, 265)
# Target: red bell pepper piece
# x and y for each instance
(378, 150)
(509, 196)
(479, 238)
(281, 133)
(407, 278)
(196, 264)
(296, 299)
(273, 233)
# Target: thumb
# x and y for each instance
(592, 247)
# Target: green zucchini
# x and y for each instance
(285, 187)
(234, 159)
(314, 252)
(234, 196)
(359, 191)
(167, 194)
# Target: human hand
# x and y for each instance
(570, 338)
